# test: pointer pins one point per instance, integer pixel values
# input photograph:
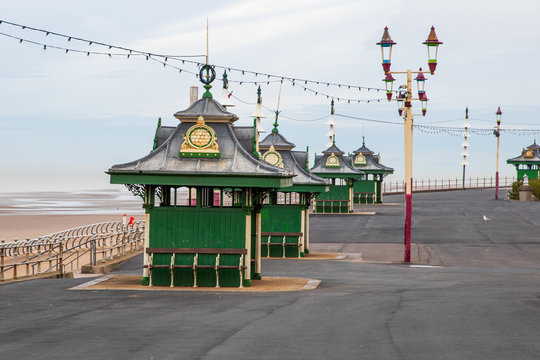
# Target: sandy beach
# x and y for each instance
(32, 226)
(35, 214)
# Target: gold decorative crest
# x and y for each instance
(360, 160)
(200, 141)
(528, 154)
(273, 157)
(332, 161)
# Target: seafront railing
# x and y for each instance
(395, 187)
(69, 249)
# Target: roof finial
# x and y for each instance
(363, 141)
(225, 81)
(210, 71)
(334, 140)
(275, 129)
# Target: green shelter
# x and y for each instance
(528, 163)
(368, 190)
(332, 164)
(285, 215)
(203, 194)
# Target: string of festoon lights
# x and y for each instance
(173, 61)
(428, 129)
(449, 130)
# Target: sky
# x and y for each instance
(66, 118)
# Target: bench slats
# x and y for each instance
(196, 251)
(195, 265)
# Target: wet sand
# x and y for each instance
(33, 214)
(32, 226)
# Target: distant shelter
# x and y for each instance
(528, 163)
(368, 190)
(285, 215)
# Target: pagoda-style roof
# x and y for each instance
(530, 155)
(332, 163)
(275, 143)
(210, 109)
(364, 159)
(207, 153)
(333, 149)
(277, 140)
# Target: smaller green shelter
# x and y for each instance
(368, 189)
(285, 215)
(528, 163)
(332, 164)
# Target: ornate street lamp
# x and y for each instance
(497, 133)
(420, 83)
(404, 100)
(386, 44)
(432, 43)
(389, 82)
(423, 101)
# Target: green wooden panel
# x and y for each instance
(281, 218)
(276, 181)
(176, 227)
(531, 173)
(367, 186)
(335, 192)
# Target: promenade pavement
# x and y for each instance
(361, 310)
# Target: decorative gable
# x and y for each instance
(360, 160)
(200, 141)
(273, 157)
(332, 161)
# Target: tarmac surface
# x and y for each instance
(472, 307)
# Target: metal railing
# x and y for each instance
(394, 187)
(67, 250)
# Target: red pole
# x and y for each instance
(496, 185)
(408, 222)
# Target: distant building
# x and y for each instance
(368, 190)
(285, 215)
(528, 163)
(332, 164)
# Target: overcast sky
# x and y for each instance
(66, 118)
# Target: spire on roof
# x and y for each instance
(332, 124)
(275, 129)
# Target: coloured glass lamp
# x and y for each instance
(389, 82)
(432, 44)
(386, 44)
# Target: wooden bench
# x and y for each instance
(283, 235)
(323, 204)
(365, 197)
(195, 265)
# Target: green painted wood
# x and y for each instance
(177, 227)
(201, 180)
(367, 186)
(333, 203)
(281, 218)
(531, 173)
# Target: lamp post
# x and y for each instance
(465, 144)
(497, 134)
(404, 99)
